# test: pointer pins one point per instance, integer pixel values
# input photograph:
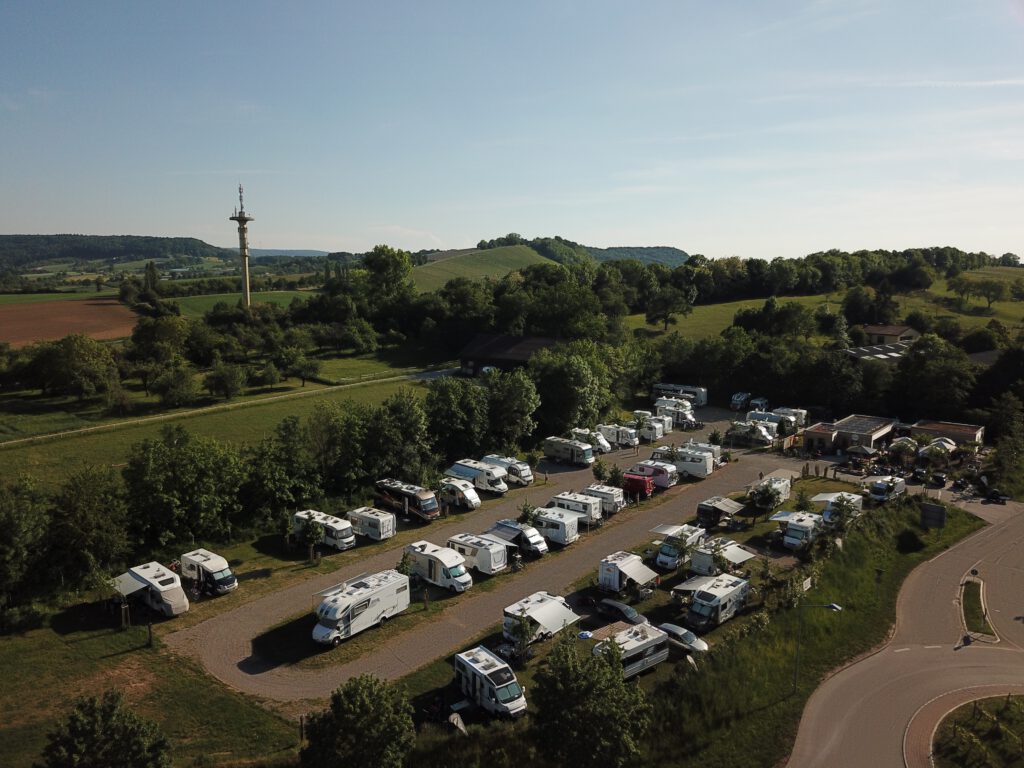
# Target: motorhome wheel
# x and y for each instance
(336, 642)
(383, 619)
(684, 474)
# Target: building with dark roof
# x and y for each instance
(890, 334)
(500, 351)
(958, 433)
(856, 429)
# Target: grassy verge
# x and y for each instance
(78, 652)
(974, 611)
(740, 707)
(989, 733)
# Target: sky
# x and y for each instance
(755, 129)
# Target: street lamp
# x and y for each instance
(835, 608)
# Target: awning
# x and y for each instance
(724, 505)
(127, 585)
(667, 529)
(737, 555)
(692, 584)
(638, 572)
(553, 616)
(861, 450)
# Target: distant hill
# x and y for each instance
(20, 251)
(260, 252)
(474, 264)
(660, 254)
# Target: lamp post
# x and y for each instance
(799, 629)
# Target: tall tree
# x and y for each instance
(336, 433)
(574, 385)
(397, 443)
(457, 417)
(23, 525)
(586, 714)
(368, 723)
(104, 733)
(669, 302)
(281, 472)
(934, 379)
(512, 402)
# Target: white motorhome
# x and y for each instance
(156, 585)
(757, 432)
(673, 403)
(408, 499)
(373, 523)
(557, 525)
(780, 484)
(489, 682)
(689, 462)
(486, 555)
(338, 533)
(439, 566)
(485, 477)
(829, 499)
(771, 417)
(624, 437)
(620, 571)
(680, 418)
(887, 488)
(704, 559)
(612, 499)
(360, 603)
(209, 572)
(524, 536)
(457, 492)
(519, 472)
(593, 438)
(641, 647)
(665, 475)
(697, 395)
(799, 529)
(714, 450)
(563, 450)
(799, 415)
(587, 507)
(546, 613)
(716, 602)
(679, 541)
(647, 428)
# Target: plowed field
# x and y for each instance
(22, 324)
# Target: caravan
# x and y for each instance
(373, 523)
(665, 475)
(439, 566)
(641, 647)
(546, 613)
(486, 555)
(484, 476)
(521, 535)
(612, 499)
(587, 507)
(689, 462)
(717, 510)
(798, 529)
(647, 426)
(358, 604)
(157, 586)
(679, 541)
(408, 499)
(565, 451)
(489, 682)
(620, 571)
(209, 572)
(557, 525)
(624, 437)
(696, 395)
(519, 472)
(338, 533)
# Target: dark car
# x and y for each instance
(938, 479)
(920, 474)
(996, 496)
(617, 611)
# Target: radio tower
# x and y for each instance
(243, 245)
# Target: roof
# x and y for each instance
(889, 330)
(722, 504)
(551, 613)
(969, 431)
(864, 425)
(503, 347)
(638, 572)
(885, 352)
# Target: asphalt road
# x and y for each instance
(223, 644)
(882, 710)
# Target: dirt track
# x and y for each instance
(23, 324)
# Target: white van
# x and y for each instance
(486, 555)
(641, 648)
(489, 682)
(358, 604)
(519, 472)
(373, 523)
(485, 477)
(439, 566)
(156, 585)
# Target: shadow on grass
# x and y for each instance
(273, 545)
(259, 573)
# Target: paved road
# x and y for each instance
(881, 711)
(223, 643)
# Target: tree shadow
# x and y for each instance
(259, 573)
(288, 643)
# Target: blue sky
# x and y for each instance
(757, 129)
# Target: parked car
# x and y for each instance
(995, 496)
(683, 638)
(938, 479)
(618, 611)
(920, 474)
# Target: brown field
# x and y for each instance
(22, 324)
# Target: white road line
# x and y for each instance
(901, 650)
(934, 646)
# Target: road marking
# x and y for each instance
(901, 650)
(934, 646)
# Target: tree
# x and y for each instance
(962, 287)
(586, 713)
(368, 723)
(573, 383)
(396, 441)
(766, 497)
(512, 401)
(457, 417)
(282, 473)
(669, 302)
(934, 379)
(103, 733)
(226, 380)
(336, 435)
(23, 524)
(600, 470)
(312, 535)
(615, 476)
(992, 291)
(177, 386)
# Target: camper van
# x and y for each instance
(486, 555)
(799, 415)
(641, 647)
(780, 484)
(587, 507)
(408, 499)
(489, 682)
(557, 525)
(338, 533)
(739, 401)
(155, 585)
(456, 492)
(718, 509)
(829, 499)
(716, 602)
(689, 462)
(485, 477)
(519, 472)
(798, 529)
(208, 572)
(373, 523)
(546, 613)
(620, 571)
(624, 437)
(647, 426)
(565, 451)
(526, 537)
(612, 499)
(593, 438)
(439, 566)
(883, 489)
(697, 395)
(703, 559)
(360, 603)
(665, 475)
(684, 420)
(678, 542)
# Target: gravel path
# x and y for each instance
(223, 644)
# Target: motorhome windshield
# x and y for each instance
(221, 575)
(509, 693)
(428, 504)
(458, 570)
(327, 623)
(588, 453)
(669, 550)
(494, 482)
(880, 487)
(701, 609)
(796, 533)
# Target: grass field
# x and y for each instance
(49, 460)
(476, 265)
(974, 611)
(197, 306)
(985, 734)
(709, 320)
(35, 298)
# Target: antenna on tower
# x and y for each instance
(241, 204)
